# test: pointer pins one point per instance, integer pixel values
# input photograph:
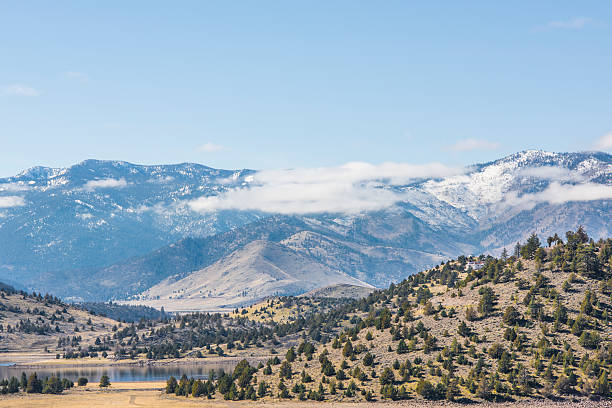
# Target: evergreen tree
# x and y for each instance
(52, 386)
(171, 385)
(34, 385)
(104, 381)
(290, 356)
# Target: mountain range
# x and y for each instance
(102, 230)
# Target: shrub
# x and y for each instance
(470, 314)
(563, 385)
(426, 389)
(104, 381)
(511, 316)
(589, 340)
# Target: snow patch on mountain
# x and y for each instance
(422, 214)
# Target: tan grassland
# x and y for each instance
(149, 394)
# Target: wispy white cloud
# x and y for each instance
(557, 193)
(604, 142)
(104, 183)
(551, 173)
(572, 24)
(21, 90)
(351, 188)
(11, 201)
(14, 187)
(210, 147)
(76, 75)
(467, 145)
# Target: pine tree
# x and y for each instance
(34, 384)
(52, 386)
(290, 356)
(104, 381)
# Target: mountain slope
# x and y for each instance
(97, 213)
(355, 253)
(100, 230)
(257, 270)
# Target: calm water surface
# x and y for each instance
(120, 373)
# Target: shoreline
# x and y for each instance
(50, 364)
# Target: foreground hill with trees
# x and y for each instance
(528, 325)
(531, 324)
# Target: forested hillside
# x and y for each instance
(531, 324)
(43, 323)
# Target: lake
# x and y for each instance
(120, 373)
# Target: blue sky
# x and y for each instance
(271, 84)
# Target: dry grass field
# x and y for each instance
(145, 395)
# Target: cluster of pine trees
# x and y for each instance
(35, 385)
(548, 344)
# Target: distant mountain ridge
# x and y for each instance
(110, 230)
(96, 213)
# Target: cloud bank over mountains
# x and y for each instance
(351, 188)
(359, 187)
(98, 213)
(557, 193)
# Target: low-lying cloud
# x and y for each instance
(552, 173)
(557, 193)
(351, 188)
(14, 187)
(104, 183)
(11, 201)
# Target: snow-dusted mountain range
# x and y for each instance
(106, 229)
